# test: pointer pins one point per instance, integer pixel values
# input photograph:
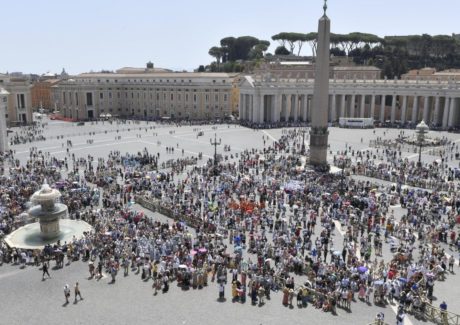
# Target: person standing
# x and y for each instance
(77, 291)
(451, 264)
(66, 293)
(443, 307)
(400, 317)
(45, 271)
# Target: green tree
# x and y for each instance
(281, 50)
(217, 53)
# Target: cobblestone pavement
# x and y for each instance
(25, 299)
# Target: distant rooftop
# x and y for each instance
(159, 75)
(129, 70)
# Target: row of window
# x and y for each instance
(89, 97)
(148, 80)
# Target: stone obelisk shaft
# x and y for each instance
(319, 115)
(3, 112)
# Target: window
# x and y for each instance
(21, 101)
(216, 98)
(172, 97)
(101, 95)
(225, 97)
(110, 95)
(186, 97)
(63, 98)
(89, 99)
(76, 99)
(207, 98)
(194, 98)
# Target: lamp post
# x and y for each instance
(215, 143)
(342, 179)
(421, 131)
(303, 141)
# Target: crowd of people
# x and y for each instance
(263, 218)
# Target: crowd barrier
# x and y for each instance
(155, 205)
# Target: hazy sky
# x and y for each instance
(82, 35)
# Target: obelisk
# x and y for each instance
(319, 115)
(3, 110)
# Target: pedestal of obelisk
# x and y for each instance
(319, 133)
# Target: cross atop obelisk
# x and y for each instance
(319, 116)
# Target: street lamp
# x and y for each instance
(342, 179)
(421, 131)
(215, 143)
(303, 141)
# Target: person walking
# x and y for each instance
(400, 317)
(66, 293)
(77, 291)
(45, 271)
(451, 264)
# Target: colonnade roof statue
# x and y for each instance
(319, 133)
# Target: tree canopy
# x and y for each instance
(395, 55)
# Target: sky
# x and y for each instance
(39, 36)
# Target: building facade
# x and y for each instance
(146, 95)
(271, 100)
(306, 70)
(19, 110)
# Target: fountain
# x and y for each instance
(52, 224)
(48, 211)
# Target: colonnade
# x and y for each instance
(436, 110)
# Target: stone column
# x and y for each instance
(277, 109)
(353, 106)
(303, 109)
(288, 106)
(241, 106)
(343, 113)
(445, 113)
(262, 109)
(393, 109)
(382, 109)
(256, 108)
(372, 107)
(295, 107)
(415, 110)
(435, 119)
(426, 109)
(363, 106)
(404, 110)
(333, 109)
(450, 122)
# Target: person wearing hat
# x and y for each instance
(443, 307)
(66, 293)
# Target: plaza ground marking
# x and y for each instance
(269, 135)
(188, 151)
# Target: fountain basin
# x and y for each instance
(31, 237)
